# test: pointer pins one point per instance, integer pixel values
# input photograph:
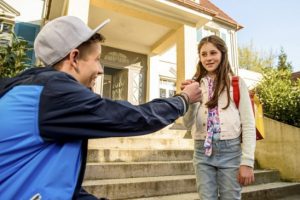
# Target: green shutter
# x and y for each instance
(28, 32)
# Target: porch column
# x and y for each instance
(186, 47)
(234, 51)
(135, 80)
(187, 57)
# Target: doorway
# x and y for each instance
(115, 83)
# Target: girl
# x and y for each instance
(222, 163)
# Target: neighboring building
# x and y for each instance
(151, 45)
(7, 22)
(295, 76)
(250, 77)
(28, 21)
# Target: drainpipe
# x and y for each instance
(46, 11)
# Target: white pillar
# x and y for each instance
(234, 52)
(187, 56)
(134, 82)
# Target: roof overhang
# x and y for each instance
(136, 25)
(172, 11)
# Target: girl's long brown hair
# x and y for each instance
(222, 79)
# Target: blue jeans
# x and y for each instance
(217, 174)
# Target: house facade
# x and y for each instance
(7, 22)
(151, 45)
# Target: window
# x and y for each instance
(162, 93)
(167, 87)
(209, 31)
(206, 31)
(5, 28)
(107, 85)
(171, 93)
(223, 36)
(4, 42)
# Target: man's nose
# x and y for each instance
(100, 71)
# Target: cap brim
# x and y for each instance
(98, 28)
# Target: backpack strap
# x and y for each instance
(236, 90)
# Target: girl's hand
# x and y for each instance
(245, 175)
(185, 83)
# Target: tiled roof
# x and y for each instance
(209, 8)
(295, 75)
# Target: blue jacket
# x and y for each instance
(46, 117)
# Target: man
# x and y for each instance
(47, 115)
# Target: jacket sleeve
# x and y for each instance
(248, 126)
(68, 110)
(190, 115)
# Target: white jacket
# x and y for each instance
(233, 121)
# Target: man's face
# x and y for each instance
(89, 67)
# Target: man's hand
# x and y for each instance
(185, 83)
(193, 91)
(245, 175)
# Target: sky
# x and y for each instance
(30, 10)
(268, 25)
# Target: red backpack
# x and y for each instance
(236, 98)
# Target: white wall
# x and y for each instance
(167, 63)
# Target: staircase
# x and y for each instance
(159, 167)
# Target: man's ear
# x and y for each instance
(73, 58)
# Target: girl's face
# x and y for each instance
(210, 57)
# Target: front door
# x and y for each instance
(115, 83)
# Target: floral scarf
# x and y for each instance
(213, 120)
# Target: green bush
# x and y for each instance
(13, 58)
(280, 96)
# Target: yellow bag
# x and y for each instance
(259, 117)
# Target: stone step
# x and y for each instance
(269, 191)
(140, 187)
(137, 169)
(174, 130)
(266, 176)
(290, 197)
(138, 155)
(112, 170)
(141, 142)
(152, 186)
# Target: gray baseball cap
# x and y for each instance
(58, 37)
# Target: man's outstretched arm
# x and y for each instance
(70, 111)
